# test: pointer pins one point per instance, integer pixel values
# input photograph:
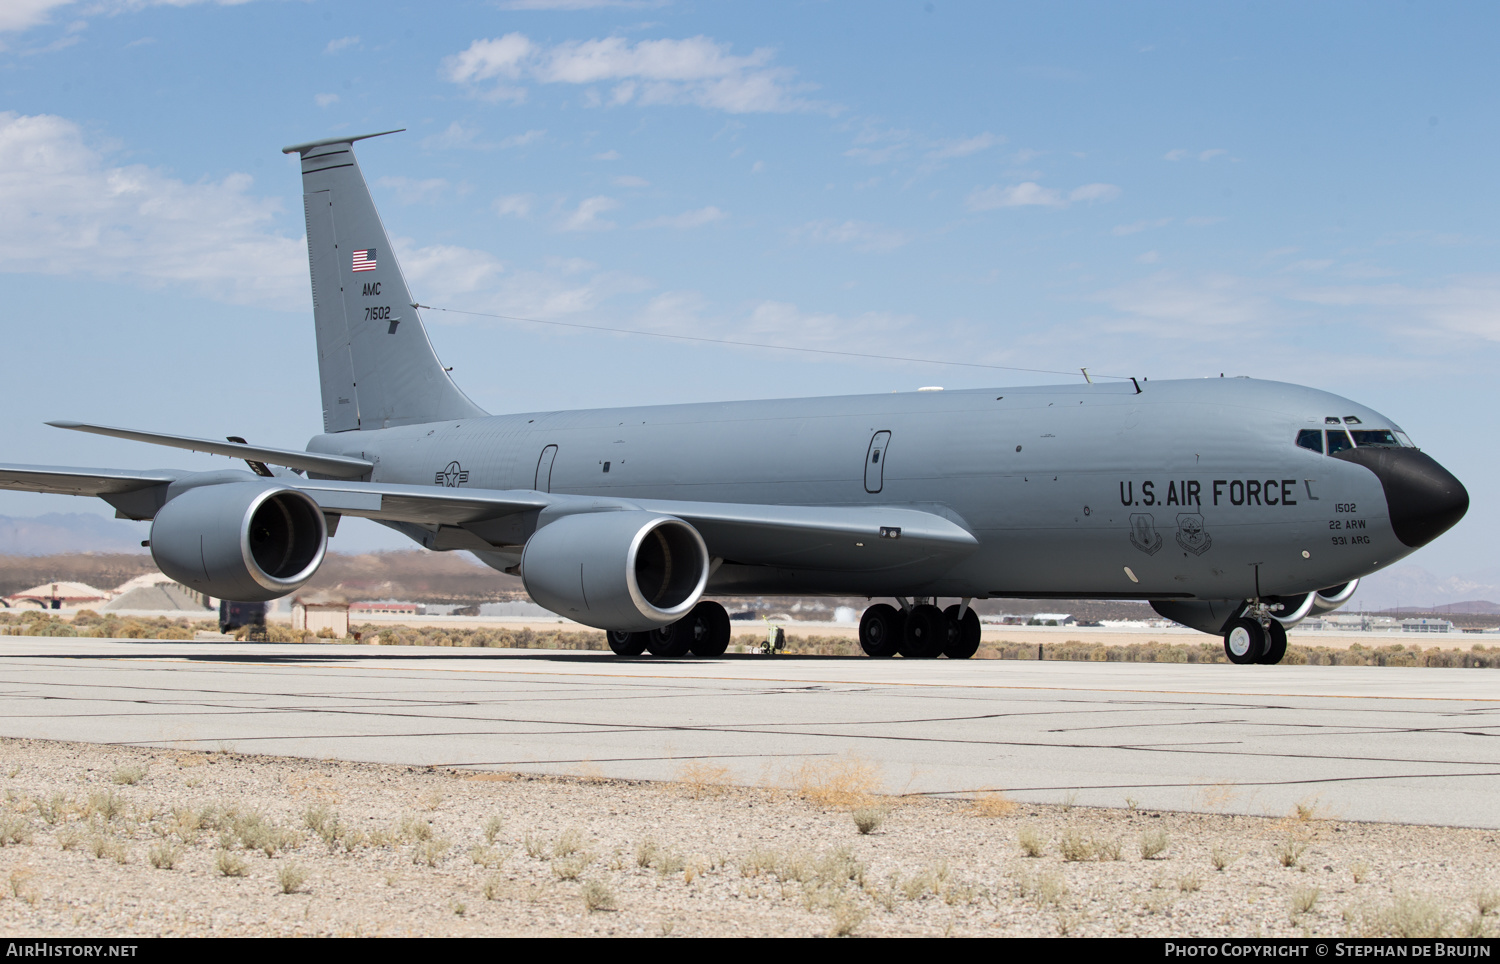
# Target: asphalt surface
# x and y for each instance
(1364, 743)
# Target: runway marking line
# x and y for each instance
(777, 679)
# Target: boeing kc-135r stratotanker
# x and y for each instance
(1235, 506)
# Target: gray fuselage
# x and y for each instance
(1185, 489)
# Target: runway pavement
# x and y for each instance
(1369, 743)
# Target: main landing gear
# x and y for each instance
(920, 631)
(1254, 638)
(703, 632)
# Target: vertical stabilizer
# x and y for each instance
(374, 359)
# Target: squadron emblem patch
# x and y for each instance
(1191, 534)
(1143, 534)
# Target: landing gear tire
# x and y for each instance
(622, 643)
(1244, 641)
(880, 631)
(1275, 644)
(673, 639)
(963, 638)
(926, 633)
(707, 626)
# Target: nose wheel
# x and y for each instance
(1248, 640)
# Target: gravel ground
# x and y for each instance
(278, 846)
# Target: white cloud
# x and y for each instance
(1027, 193)
(629, 180)
(695, 70)
(964, 147)
(412, 191)
(455, 135)
(16, 15)
(863, 235)
(1179, 154)
(586, 217)
(1032, 194)
(521, 140)
(1094, 192)
(1150, 257)
(518, 205)
(443, 271)
(687, 219)
(334, 46)
(607, 156)
(1137, 227)
(64, 210)
(326, 100)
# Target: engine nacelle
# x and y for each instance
(1327, 600)
(629, 570)
(248, 541)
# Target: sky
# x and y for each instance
(1299, 192)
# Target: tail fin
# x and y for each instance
(376, 364)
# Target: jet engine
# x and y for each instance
(1294, 609)
(629, 570)
(249, 541)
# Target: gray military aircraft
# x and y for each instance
(1235, 506)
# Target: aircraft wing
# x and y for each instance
(863, 538)
(76, 481)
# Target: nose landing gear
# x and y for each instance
(1255, 638)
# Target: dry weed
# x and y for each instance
(992, 805)
(1153, 844)
(430, 851)
(571, 867)
(231, 864)
(129, 775)
(163, 856)
(597, 895)
(290, 877)
(1189, 883)
(869, 819)
(842, 782)
(703, 779)
(492, 828)
(1303, 900)
(1221, 858)
(1289, 853)
(1032, 844)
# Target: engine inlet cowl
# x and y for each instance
(629, 570)
(247, 541)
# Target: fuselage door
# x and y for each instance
(875, 462)
(544, 469)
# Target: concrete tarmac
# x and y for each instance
(1362, 743)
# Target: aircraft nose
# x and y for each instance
(1425, 499)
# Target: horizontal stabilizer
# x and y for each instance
(335, 466)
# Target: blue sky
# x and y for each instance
(1289, 191)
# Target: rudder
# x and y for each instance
(375, 362)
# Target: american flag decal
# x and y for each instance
(364, 260)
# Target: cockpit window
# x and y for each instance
(1338, 440)
(1311, 438)
(1330, 420)
(1351, 420)
(1404, 440)
(1378, 438)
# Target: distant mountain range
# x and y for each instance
(56, 532)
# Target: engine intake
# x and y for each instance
(246, 541)
(629, 570)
